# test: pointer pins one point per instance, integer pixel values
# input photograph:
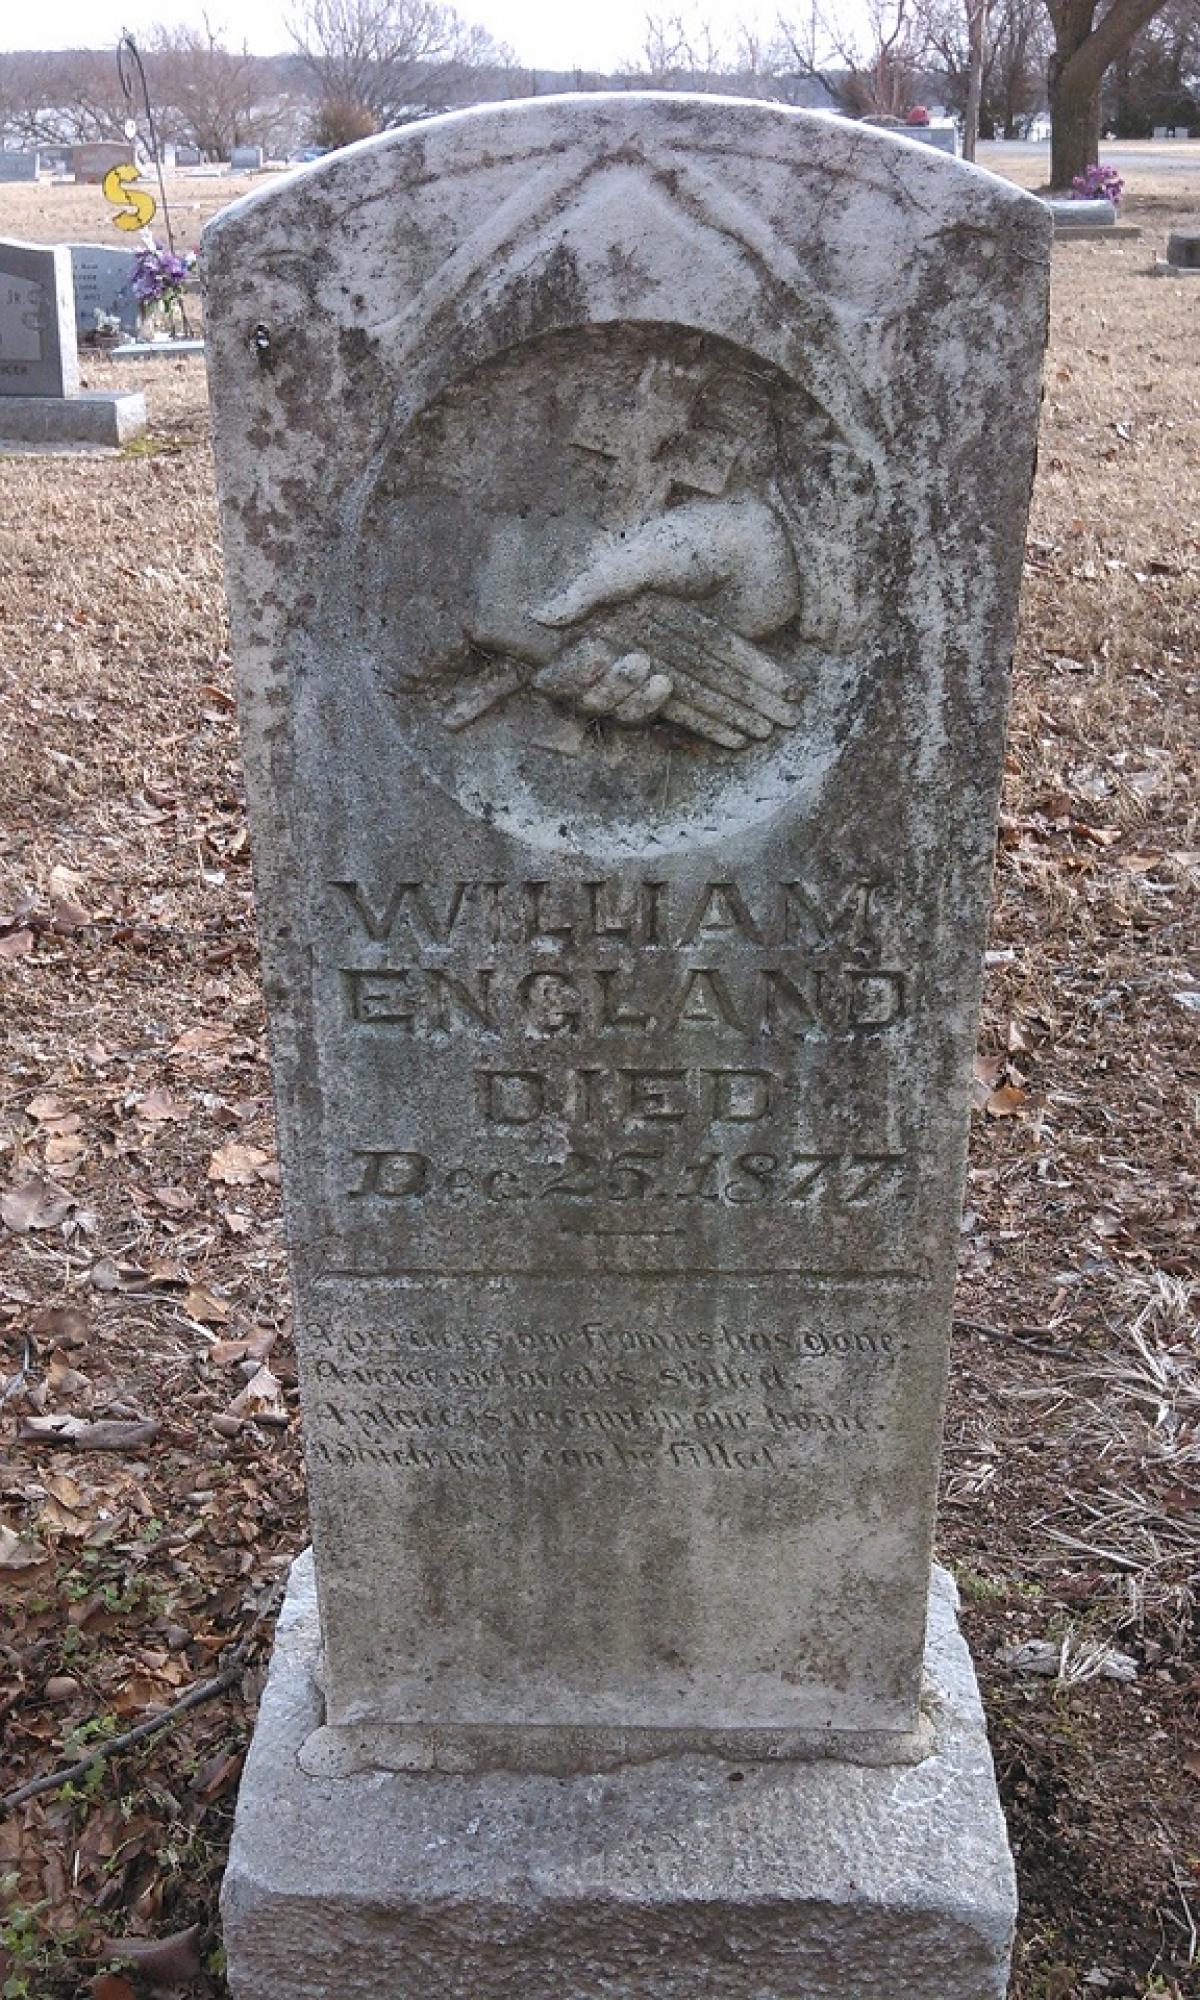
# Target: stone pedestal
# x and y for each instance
(669, 1880)
(93, 416)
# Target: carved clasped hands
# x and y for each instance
(659, 621)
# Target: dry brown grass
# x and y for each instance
(53, 213)
(1070, 1506)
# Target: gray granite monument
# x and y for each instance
(1183, 249)
(91, 161)
(41, 401)
(103, 280)
(1082, 220)
(18, 166)
(623, 637)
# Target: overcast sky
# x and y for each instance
(551, 34)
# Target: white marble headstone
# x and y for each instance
(37, 321)
(623, 632)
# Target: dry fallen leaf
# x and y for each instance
(169, 1961)
(19, 1551)
(85, 1434)
(261, 1400)
(34, 1204)
(205, 1306)
(111, 1986)
(1007, 1102)
(238, 1165)
(158, 1106)
(16, 944)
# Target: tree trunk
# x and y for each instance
(976, 12)
(1082, 53)
(1074, 124)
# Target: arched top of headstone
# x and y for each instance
(521, 217)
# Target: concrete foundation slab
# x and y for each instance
(155, 350)
(661, 1881)
(1099, 232)
(94, 416)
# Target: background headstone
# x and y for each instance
(90, 163)
(246, 159)
(1183, 249)
(40, 399)
(17, 166)
(943, 135)
(103, 277)
(37, 321)
(187, 156)
(1069, 214)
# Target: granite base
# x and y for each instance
(660, 1881)
(94, 416)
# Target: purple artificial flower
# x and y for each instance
(1098, 183)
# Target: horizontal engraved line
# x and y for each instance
(850, 1277)
(647, 1229)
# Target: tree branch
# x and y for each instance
(52, 1781)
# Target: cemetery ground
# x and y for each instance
(151, 1490)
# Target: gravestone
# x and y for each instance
(37, 324)
(90, 163)
(40, 398)
(943, 135)
(16, 166)
(623, 686)
(103, 278)
(1183, 255)
(1183, 249)
(187, 156)
(246, 159)
(1069, 213)
(1087, 220)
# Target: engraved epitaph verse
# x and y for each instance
(623, 640)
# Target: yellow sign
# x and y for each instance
(135, 208)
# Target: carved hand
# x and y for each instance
(663, 655)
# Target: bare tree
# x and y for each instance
(978, 14)
(1084, 48)
(677, 53)
(385, 61)
(870, 67)
(1013, 57)
(210, 95)
(1015, 73)
(1157, 80)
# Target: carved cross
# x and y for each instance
(653, 445)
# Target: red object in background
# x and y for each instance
(917, 116)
